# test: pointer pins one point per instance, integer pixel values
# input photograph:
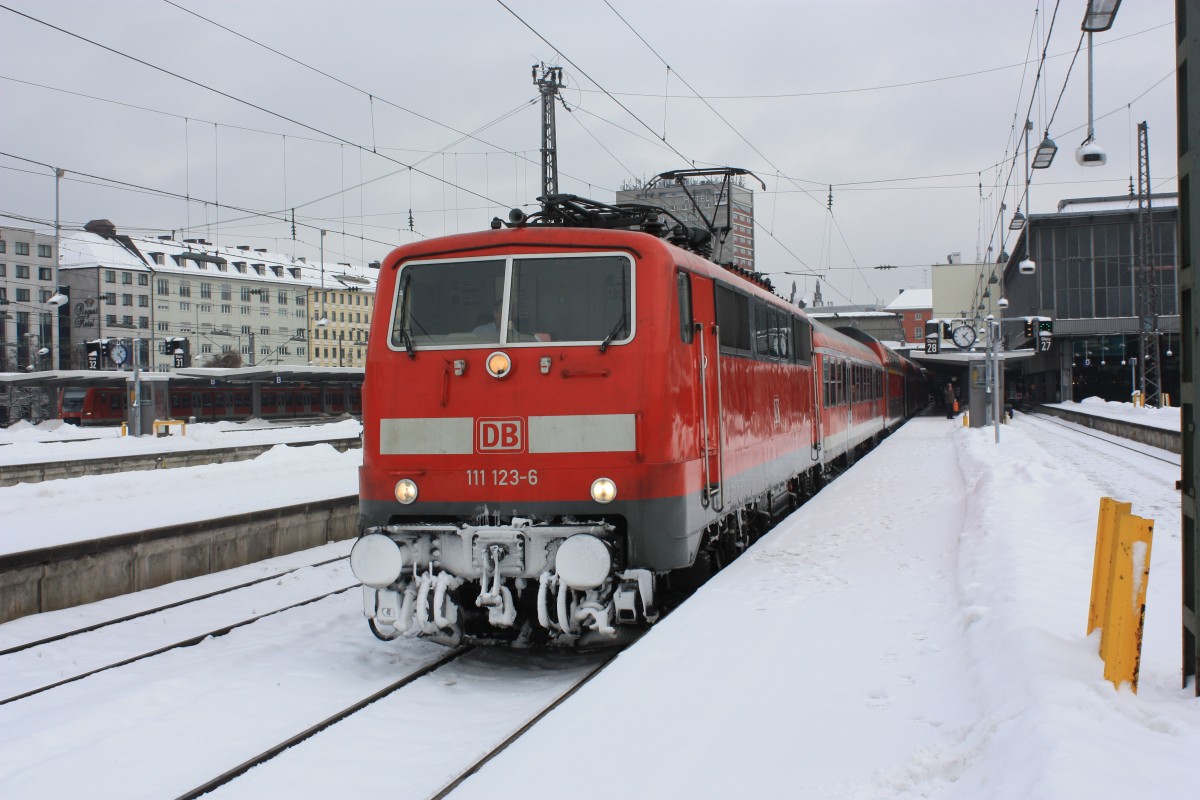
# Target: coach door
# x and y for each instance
(701, 296)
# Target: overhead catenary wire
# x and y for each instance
(741, 136)
(222, 93)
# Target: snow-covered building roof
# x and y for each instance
(1091, 205)
(99, 245)
(912, 299)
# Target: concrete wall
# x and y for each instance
(1145, 434)
(70, 575)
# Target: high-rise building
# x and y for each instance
(728, 206)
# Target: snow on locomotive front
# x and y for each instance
(518, 484)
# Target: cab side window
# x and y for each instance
(683, 288)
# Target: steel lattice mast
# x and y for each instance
(548, 84)
(1147, 290)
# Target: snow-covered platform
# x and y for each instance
(917, 629)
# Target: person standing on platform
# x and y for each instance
(948, 398)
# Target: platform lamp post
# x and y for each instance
(1098, 18)
(54, 343)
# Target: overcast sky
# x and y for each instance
(905, 108)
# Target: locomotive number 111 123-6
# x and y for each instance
(501, 477)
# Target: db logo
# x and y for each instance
(500, 435)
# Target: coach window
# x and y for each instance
(802, 339)
(781, 334)
(683, 287)
(762, 329)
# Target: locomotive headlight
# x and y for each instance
(583, 562)
(406, 491)
(604, 490)
(498, 364)
(376, 560)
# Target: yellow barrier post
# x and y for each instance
(966, 419)
(1106, 524)
(1125, 612)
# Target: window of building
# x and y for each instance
(22, 270)
(164, 326)
(3, 267)
(226, 308)
(184, 305)
(110, 276)
(206, 291)
(245, 309)
(919, 316)
(127, 320)
(3, 245)
(144, 323)
(127, 278)
(22, 248)
(282, 298)
(143, 301)
(143, 279)
(164, 286)
(22, 295)
(919, 331)
(226, 292)
(185, 289)
(110, 319)
(44, 273)
(110, 298)
(126, 299)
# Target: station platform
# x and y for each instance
(917, 629)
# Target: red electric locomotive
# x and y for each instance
(564, 422)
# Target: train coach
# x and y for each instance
(94, 406)
(567, 425)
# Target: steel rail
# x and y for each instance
(191, 640)
(309, 732)
(147, 612)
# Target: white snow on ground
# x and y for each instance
(1167, 418)
(78, 509)
(917, 630)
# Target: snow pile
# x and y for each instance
(1166, 418)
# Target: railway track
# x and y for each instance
(76, 654)
(1146, 450)
(471, 672)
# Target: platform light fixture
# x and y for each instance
(1044, 155)
(1100, 15)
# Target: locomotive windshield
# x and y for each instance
(583, 299)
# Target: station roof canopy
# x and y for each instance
(276, 373)
(88, 378)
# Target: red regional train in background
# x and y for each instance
(568, 422)
(108, 405)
